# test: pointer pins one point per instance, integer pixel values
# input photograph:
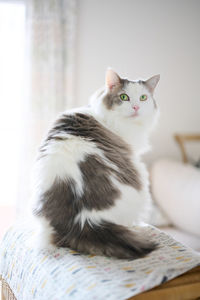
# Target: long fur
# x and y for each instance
(90, 184)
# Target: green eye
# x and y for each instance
(143, 98)
(124, 97)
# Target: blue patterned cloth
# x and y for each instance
(65, 274)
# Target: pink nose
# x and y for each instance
(136, 107)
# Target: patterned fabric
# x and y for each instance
(50, 63)
(65, 274)
(6, 291)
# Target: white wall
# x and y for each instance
(140, 38)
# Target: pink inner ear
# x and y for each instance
(112, 79)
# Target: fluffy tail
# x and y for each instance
(106, 239)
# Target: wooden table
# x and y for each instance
(184, 287)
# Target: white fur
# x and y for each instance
(127, 210)
(60, 161)
(44, 234)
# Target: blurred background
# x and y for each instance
(53, 55)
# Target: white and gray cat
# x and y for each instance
(91, 185)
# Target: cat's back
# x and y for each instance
(93, 165)
(79, 134)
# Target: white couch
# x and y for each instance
(176, 191)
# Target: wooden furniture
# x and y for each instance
(6, 292)
(184, 287)
(181, 139)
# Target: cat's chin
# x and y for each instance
(134, 115)
(146, 121)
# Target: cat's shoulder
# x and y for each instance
(77, 122)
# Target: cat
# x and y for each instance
(90, 184)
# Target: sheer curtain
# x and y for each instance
(51, 33)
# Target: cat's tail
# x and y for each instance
(107, 239)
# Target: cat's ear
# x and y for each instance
(112, 79)
(152, 82)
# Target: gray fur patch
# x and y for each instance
(60, 207)
(111, 99)
(155, 104)
(107, 239)
(99, 192)
(59, 203)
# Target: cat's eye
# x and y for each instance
(143, 98)
(124, 97)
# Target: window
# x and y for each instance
(12, 66)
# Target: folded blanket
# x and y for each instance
(65, 274)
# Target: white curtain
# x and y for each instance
(51, 34)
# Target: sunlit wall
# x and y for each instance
(140, 39)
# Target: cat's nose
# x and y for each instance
(136, 107)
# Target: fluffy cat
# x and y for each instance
(90, 184)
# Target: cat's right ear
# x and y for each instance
(112, 79)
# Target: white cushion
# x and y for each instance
(176, 189)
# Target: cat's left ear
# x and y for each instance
(152, 82)
(112, 79)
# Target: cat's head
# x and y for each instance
(131, 99)
(127, 107)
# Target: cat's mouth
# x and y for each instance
(134, 115)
